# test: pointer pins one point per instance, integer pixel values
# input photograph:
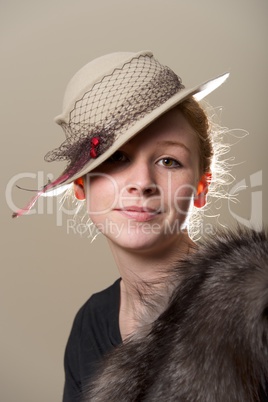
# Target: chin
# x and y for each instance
(137, 243)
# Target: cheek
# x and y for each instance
(181, 195)
(101, 194)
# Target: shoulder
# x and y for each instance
(103, 297)
(99, 306)
(94, 332)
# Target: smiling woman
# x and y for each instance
(147, 184)
(139, 152)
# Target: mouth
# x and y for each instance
(139, 214)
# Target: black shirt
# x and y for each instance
(95, 332)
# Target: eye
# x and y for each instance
(169, 163)
(118, 156)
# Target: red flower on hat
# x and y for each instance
(94, 143)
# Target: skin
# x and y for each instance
(138, 195)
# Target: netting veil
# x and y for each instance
(112, 106)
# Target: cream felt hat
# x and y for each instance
(106, 103)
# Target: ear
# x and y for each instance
(202, 190)
(79, 190)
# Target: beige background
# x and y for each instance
(46, 272)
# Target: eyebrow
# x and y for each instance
(173, 143)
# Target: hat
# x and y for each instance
(109, 101)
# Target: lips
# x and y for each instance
(139, 214)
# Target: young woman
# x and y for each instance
(139, 151)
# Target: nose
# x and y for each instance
(140, 180)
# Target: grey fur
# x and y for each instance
(211, 342)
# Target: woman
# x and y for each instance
(139, 152)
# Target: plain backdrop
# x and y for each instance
(48, 270)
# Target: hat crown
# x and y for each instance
(92, 72)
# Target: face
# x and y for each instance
(139, 197)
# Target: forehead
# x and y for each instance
(171, 126)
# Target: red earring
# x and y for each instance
(79, 191)
(202, 190)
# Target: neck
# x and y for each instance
(144, 274)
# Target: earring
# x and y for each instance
(202, 190)
(79, 191)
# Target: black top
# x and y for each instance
(95, 332)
